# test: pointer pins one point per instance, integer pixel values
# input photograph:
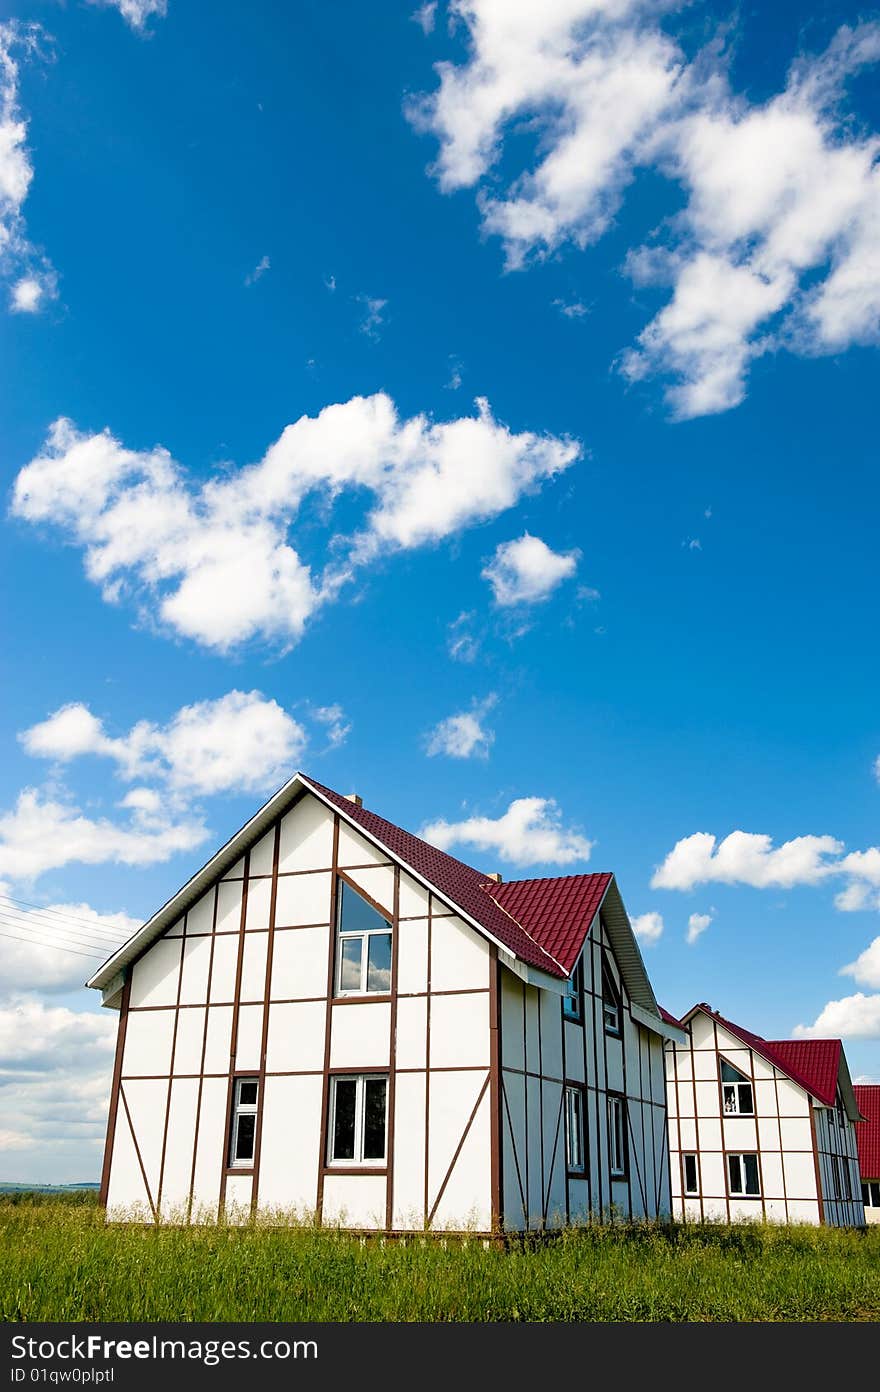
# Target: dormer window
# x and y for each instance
(610, 1000)
(363, 946)
(736, 1091)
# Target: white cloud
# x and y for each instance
(778, 241)
(137, 13)
(54, 948)
(697, 924)
(747, 858)
(55, 1068)
(424, 16)
(866, 968)
(572, 309)
(43, 833)
(526, 571)
(338, 726)
(213, 561)
(239, 742)
(262, 266)
(373, 318)
(461, 644)
(529, 833)
(464, 736)
(853, 1017)
(648, 928)
(32, 280)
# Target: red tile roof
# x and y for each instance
(669, 1018)
(868, 1131)
(814, 1064)
(544, 922)
(556, 912)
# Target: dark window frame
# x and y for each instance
(243, 1110)
(573, 1000)
(362, 936)
(616, 1109)
(572, 1091)
(357, 1159)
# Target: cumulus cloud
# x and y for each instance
(853, 1017)
(526, 571)
(334, 719)
(648, 928)
(530, 832)
(239, 742)
(54, 948)
(464, 736)
(44, 833)
(55, 1065)
(425, 16)
(697, 924)
(866, 968)
(31, 278)
(778, 241)
(136, 13)
(213, 562)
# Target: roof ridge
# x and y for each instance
(519, 925)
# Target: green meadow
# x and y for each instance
(60, 1261)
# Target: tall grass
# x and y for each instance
(60, 1261)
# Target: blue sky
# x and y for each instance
(636, 588)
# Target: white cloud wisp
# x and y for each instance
(530, 832)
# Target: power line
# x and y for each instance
(55, 913)
(74, 950)
(53, 935)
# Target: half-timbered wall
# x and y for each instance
(541, 1053)
(244, 985)
(787, 1133)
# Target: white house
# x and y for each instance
(336, 1018)
(868, 1138)
(761, 1128)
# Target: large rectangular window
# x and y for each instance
(575, 1156)
(690, 1174)
(742, 1176)
(363, 946)
(357, 1120)
(617, 1136)
(736, 1091)
(243, 1130)
(572, 1001)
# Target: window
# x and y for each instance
(574, 1130)
(574, 991)
(871, 1194)
(742, 1175)
(363, 951)
(610, 1000)
(689, 1166)
(357, 1120)
(836, 1186)
(736, 1091)
(244, 1121)
(617, 1136)
(847, 1180)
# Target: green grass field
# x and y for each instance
(59, 1261)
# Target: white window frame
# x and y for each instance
(690, 1155)
(364, 934)
(611, 1008)
(742, 1193)
(735, 1089)
(617, 1149)
(573, 1000)
(575, 1150)
(360, 1079)
(240, 1109)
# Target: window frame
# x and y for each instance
(575, 1093)
(356, 1161)
(735, 1088)
(616, 1111)
(742, 1156)
(362, 935)
(238, 1110)
(612, 1001)
(573, 1000)
(685, 1156)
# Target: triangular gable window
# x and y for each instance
(610, 1000)
(363, 946)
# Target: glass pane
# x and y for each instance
(350, 963)
(355, 914)
(875, 1195)
(343, 1119)
(374, 1119)
(247, 1093)
(729, 1095)
(733, 1169)
(751, 1168)
(746, 1105)
(244, 1136)
(690, 1174)
(379, 962)
(729, 1074)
